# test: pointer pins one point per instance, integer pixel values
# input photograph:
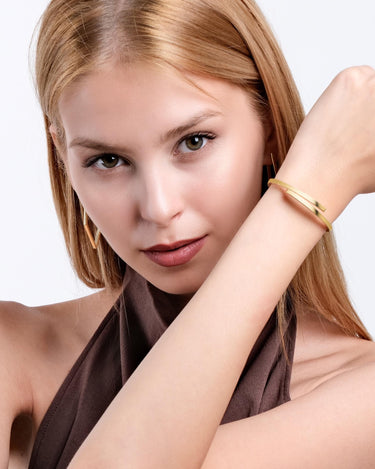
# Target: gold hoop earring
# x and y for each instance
(93, 241)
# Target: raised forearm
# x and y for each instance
(169, 410)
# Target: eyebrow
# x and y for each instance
(194, 121)
(170, 134)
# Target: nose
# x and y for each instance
(160, 199)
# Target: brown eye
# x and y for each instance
(194, 143)
(109, 161)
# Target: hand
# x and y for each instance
(333, 154)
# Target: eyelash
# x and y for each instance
(206, 135)
(93, 160)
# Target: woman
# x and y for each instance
(161, 119)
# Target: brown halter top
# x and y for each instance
(124, 337)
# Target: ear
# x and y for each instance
(53, 132)
(56, 138)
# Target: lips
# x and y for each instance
(178, 253)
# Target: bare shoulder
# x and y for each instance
(329, 421)
(38, 346)
(323, 351)
(79, 318)
(32, 331)
(57, 331)
(17, 326)
(332, 426)
(15, 390)
(58, 334)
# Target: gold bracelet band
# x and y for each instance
(307, 201)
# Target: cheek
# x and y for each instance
(236, 183)
(106, 204)
(114, 216)
(112, 213)
(242, 192)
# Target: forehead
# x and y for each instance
(146, 95)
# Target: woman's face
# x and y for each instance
(166, 168)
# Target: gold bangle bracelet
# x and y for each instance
(307, 201)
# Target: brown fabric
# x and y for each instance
(122, 340)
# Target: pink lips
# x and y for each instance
(175, 254)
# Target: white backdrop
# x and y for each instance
(319, 38)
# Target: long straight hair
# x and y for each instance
(227, 39)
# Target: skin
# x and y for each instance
(161, 191)
(327, 364)
(176, 422)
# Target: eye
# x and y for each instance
(195, 142)
(106, 161)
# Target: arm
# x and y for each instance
(15, 394)
(7, 414)
(210, 340)
(331, 427)
(170, 409)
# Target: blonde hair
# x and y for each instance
(224, 39)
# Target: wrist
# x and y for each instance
(311, 173)
(305, 200)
